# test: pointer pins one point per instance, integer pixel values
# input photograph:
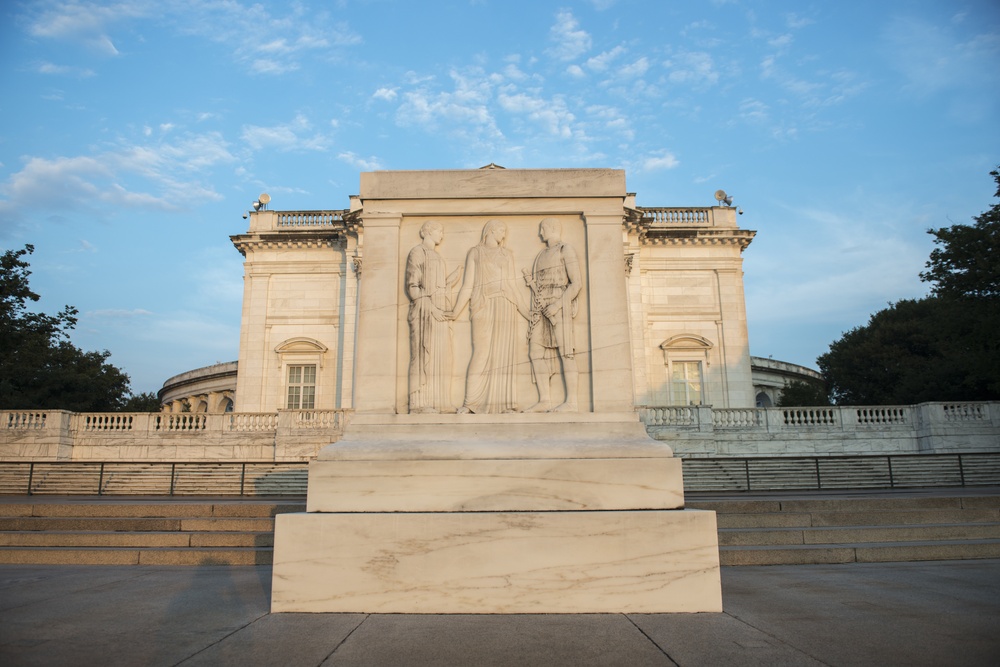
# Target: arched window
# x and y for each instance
(301, 361)
(687, 360)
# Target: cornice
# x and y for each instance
(697, 237)
(288, 240)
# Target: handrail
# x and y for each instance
(816, 473)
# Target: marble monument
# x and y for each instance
(494, 462)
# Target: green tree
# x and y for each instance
(147, 401)
(944, 347)
(798, 393)
(39, 367)
(967, 263)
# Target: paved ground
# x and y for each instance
(944, 613)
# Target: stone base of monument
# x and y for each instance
(517, 513)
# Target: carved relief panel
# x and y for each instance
(495, 314)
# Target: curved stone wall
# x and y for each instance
(208, 389)
(770, 376)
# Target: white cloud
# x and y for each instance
(86, 23)
(160, 176)
(664, 160)
(570, 41)
(693, 67)
(602, 61)
(366, 164)
(636, 69)
(118, 313)
(387, 94)
(576, 71)
(63, 70)
(291, 136)
(552, 114)
(932, 59)
(464, 111)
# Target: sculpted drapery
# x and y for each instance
(430, 329)
(494, 306)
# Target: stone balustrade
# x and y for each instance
(693, 432)
(703, 431)
(273, 221)
(57, 435)
(664, 216)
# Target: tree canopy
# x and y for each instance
(944, 347)
(39, 367)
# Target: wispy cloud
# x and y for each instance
(82, 22)
(127, 176)
(569, 41)
(63, 70)
(266, 42)
(295, 135)
(367, 164)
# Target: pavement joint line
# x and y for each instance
(776, 638)
(221, 639)
(654, 642)
(344, 640)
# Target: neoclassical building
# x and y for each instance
(679, 271)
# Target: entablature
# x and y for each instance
(664, 225)
(288, 240)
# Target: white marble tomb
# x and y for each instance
(461, 485)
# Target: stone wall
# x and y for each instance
(693, 432)
(57, 435)
(927, 428)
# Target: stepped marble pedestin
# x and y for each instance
(507, 514)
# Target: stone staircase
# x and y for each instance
(782, 529)
(149, 531)
(758, 529)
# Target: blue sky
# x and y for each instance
(135, 134)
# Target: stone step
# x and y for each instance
(792, 519)
(752, 531)
(136, 556)
(138, 539)
(169, 509)
(859, 553)
(130, 524)
(855, 534)
(860, 504)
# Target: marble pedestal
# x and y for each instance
(496, 514)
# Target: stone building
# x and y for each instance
(304, 271)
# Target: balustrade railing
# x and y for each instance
(961, 412)
(668, 416)
(702, 430)
(810, 416)
(680, 217)
(738, 418)
(882, 416)
(105, 422)
(251, 422)
(25, 421)
(309, 219)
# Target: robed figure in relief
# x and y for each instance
(489, 288)
(428, 287)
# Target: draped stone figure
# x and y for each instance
(555, 281)
(428, 287)
(489, 288)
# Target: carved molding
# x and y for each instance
(288, 241)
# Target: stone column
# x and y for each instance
(611, 364)
(378, 316)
